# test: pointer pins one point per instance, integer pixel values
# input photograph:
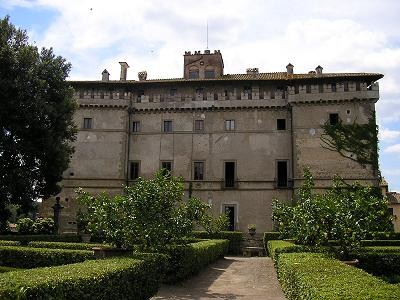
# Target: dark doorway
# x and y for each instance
(229, 174)
(230, 212)
(282, 174)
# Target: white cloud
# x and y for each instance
(388, 135)
(393, 149)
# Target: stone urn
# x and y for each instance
(252, 229)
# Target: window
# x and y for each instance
(167, 126)
(281, 170)
(346, 86)
(320, 88)
(121, 95)
(198, 170)
(111, 93)
(166, 166)
(194, 74)
(81, 94)
(390, 211)
(134, 170)
(92, 94)
(87, 123)
(135, 126)
(172, 92)
(198, 125)
(333, 87)
(334, 119)
(358, 86)
(230, 174)
(281, 124)
(229, 124)
(209, 74)
(102, 95)
(296, 89)
(308, 89)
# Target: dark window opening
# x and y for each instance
(102, 95)
(111, 96)
(87, 123)
(92, 94)
(358, 86)
(230, 174)
(121, 95)
(135, 126)
(215, 96)
(272, 94)
(81, 94)
(209, 74)
(226, 94)
(320, 88)
(198, 170)
(134, 170)
(308, 89)
(346, 86)
(230, 213)
(172, 92)
(167, 126)
(282, 174)
(194, 74)
(198, 125)
(333, 87)
(296, 89)
(166, 167)
(334, 119)
(281, 124)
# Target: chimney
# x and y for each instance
(319, 70)
(105, 76)
(124, 69)
(253, 71)
(289, 68)
(142, 76)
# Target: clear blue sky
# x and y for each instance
(342, 36)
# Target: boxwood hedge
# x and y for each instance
(186, 260)
(27, 258)
(63, 245)
(116, 278)
(234, 238)
(24, 239)
(315, 276)
(9, 243)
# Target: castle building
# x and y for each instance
(241, 140)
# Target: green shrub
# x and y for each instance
(234, 238)
(315, 276)
(43, 226)
(379, 260)
(186, 260)
(62, 245)
(26, 257)
(116, 278)
(42, 237)
(389, 235)
(25, 226)
(9, 243)
(273, 246)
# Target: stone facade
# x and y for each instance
(242, 140)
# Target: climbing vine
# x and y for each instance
(358, 142)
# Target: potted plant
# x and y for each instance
(252, 229)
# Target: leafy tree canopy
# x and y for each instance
(36, 126)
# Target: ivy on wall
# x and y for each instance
(357, 142)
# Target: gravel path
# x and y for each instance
(229, 278)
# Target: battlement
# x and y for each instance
(206, 52)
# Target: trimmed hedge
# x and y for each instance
(116, 278)
(380, 243)
(270, 236)
(186, 260)
(380, 260)
(315, 276)
(10, 243)
(277, 246)
(234, 238)
(62, 245)
(69, 238)
(384, 236)
(27, 258)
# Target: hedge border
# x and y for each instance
(65, 245)
(115, 278)
(27, 258)
(42, 237)
(234, 237)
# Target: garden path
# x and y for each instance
(230, 278)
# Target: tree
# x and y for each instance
(151, 214)
(36, 126)
(345, 213)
